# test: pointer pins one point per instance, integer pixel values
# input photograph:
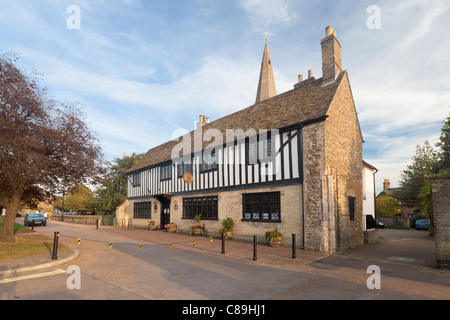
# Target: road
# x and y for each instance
(125, 271)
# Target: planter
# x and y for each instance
(196, 232)
(229, 235)
(275, 243)
(153, 227)
(171, 229)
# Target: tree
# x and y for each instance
(414, 178)
(114, 189)
(79, 199)
(387, 206)
(45, 147)
(443, 165)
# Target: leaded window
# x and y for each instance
(206, 206)
(264, 207)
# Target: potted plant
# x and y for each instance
(152, 225)
(198, 229)
(171, 227)
(273, 238)
(228, 225)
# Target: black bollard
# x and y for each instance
(223, 242)
(55, 246)
(294, 252)
(33, 223)
(97, 223)
(255, 248)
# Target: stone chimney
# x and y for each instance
(386, 184)
(331, 56)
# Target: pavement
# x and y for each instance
(407, 254)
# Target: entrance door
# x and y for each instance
(165, 213)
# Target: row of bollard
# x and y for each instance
(255, 245)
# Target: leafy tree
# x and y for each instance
(443, 166)
(414, 178)
(387, 206)
(45, 147)
(415, 182)
(114, 189)
(79, 199)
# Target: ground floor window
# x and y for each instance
(206, 206)
(263, 207)
(351, 208)
(142, 210)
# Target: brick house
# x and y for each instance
(291, 161)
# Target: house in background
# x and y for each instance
(294, 162)
(369, 196)
(406, 211)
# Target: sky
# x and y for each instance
(144, 70)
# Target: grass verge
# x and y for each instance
(28, 243)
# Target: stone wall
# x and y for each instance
(343, 160)
(440, 189)
(79, 219)
(316, 230)
(230, 205)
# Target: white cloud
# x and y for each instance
(266, 15)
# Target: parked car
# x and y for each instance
(423, 224)
(38, 219)
(381, 225)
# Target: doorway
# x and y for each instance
(165, 213)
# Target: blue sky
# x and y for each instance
(144, 70)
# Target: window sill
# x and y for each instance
(261, 220)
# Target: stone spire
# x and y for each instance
(266, 86)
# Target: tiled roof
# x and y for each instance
(309, 100)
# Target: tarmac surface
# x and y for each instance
(406, 258)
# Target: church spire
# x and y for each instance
(266, 86)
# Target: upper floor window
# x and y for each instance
(166, 172)
(209, 160)
(136, 180)
(183, 167)
(258, 151)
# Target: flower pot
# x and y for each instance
(275, 243)
(153, 227)
(196, 232)
(171, 229)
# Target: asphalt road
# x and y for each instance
(157, 272)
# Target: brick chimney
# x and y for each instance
(386, 184)
(331, 56)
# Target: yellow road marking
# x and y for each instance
(33, 276)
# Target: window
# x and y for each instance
(206, 206)
(351, 208)
(209, 160)
(136, 180)
(166, 172)
(183, 167)
(257, 152)
(264, 207)
(142, 210)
